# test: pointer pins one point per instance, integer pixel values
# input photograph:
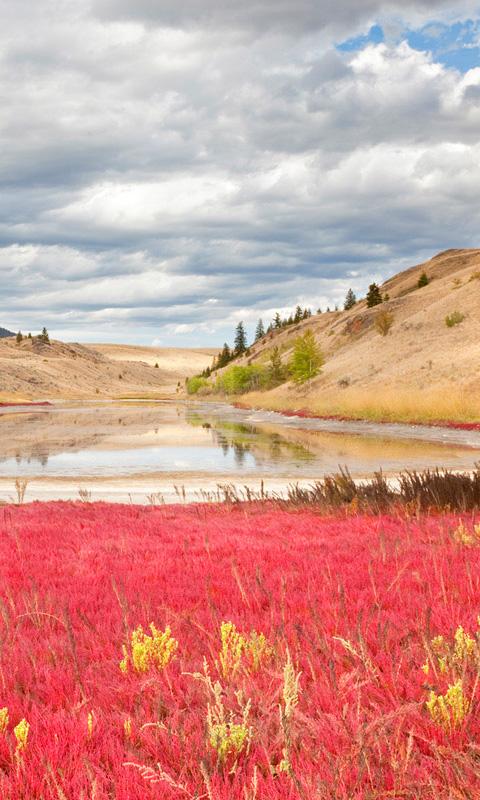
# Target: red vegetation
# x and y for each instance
(355, 601)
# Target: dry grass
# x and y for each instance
(377, 404)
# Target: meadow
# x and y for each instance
(238, 650)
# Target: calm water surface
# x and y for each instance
(103, 440)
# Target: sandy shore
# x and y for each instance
(141, 489)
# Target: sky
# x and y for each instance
(170, 168)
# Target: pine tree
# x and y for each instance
(223, 357)
(240, 342)
(307, 359)
(19, 337)
(298, 315)
(374, 297)
(260, 330)
(350, 300)
(277, 321)
(44, 336)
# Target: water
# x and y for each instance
(176, 439)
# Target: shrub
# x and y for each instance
(196, 383)
(237, 380)
(423, 280)
(383, 322)
(455, 318)
(307, 359)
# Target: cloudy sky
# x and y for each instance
(169, 167)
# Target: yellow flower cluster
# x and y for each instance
(237, 648)
(449, 710)
(21, 735)
(455, 656)
(228, 738)
(468, 538)
(148, 652)
(4, 719)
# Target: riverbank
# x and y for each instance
(450, 409)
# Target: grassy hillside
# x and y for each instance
(421, 370)
(33, 369)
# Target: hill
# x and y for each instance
(421, 370)
(34, 369)
(4, 333)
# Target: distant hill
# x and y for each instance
(34, 370)
(423, 369)
(4, 333)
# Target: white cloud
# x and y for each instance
(148, 171)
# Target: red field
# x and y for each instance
(332, 703)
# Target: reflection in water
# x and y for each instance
(122, 439)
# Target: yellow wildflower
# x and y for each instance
(148, 652)
(21, 735)
(4, 720)
(449, 710)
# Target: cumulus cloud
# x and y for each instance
(157, 157)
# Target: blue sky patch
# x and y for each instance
(455, 46)
(374, 36)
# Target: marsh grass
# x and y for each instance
(430, 490)
(379, 405)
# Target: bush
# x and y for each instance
(423, 280)
(383, 322)
(455, 318)
(238, 380)
(307, 359)
(195, 384)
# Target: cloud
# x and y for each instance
(158, 156)
(260, 16)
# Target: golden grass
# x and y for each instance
(377, 404)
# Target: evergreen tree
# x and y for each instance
(260, 330)
(298, 315)
(374, 297)
(19, 337)
(307, 359)
(350, 300)
(423, 280)
(44, 336)
(223, 357)
(277, 321)
(240, 341)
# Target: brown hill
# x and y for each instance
(422, 369)
(33, 369)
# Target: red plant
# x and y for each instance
(348, 605)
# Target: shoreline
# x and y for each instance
(305, 413)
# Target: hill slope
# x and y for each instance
(5, 333)
(36, 370)
(421, 370)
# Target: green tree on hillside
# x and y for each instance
(374, 297)
(276, 368)
(307, 359)
(19, 337)
(350, 300)
(259, 331)
(44, 336)
(224, 357)
(277, 321)
(240, 342)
